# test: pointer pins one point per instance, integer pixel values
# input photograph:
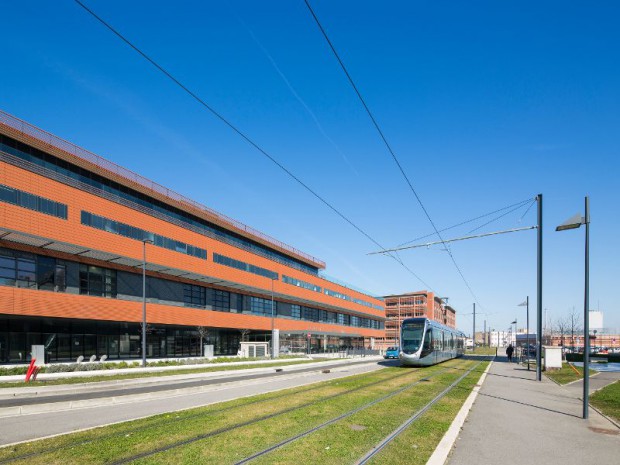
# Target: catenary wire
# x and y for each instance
(519, 204)
(498, 218)
(402, 171)
(243, 135)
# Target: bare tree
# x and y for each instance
(244, 334)
(204, 333)
(562, 326)
(575, 325)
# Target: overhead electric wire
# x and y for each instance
(242, 134)
(518, 204)
(402, 171)
(498, 218)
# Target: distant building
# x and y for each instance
(420, 304)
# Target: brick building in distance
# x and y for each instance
(422, 304)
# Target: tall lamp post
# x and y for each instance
(274, 350)
(527, 305)
(514, 323)
(144, 242)
(574, 223)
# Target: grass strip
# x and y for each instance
(566, 374)
(123, 376)
(607, 400)
(415, 445)
(349, 439)
(243, 442)
(109, 443)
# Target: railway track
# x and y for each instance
(198, 415)
(360, 398)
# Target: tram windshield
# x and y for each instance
(412, 337)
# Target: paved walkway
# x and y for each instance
(518, 420)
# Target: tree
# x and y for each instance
(562, 326)
(244, 334)
(575, 325)
(204, 333)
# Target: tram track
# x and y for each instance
(253, 421)
(392, 384)
(398, 431)
(371, 454)
(198, 415)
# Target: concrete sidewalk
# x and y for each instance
(518, 420)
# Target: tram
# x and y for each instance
(425, 342)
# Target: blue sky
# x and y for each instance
(485, 104)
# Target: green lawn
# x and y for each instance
(566, 374)
(212, 434)
(100, 377)
(607, 400)
(483, 351)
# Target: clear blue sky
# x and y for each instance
(485, 104)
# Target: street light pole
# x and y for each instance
(274, 352)
(144, 242)
(574, 223)
(539, 283)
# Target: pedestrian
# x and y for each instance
(509, 351)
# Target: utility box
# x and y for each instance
(38, 353)
(553, 357)
(207, 351)
(254, 349)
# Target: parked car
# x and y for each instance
(392, 352)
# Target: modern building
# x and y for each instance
(414, 304)
(76, 230)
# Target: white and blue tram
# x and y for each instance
(425, 342)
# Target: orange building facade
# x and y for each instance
(420, 304)
(75, 231)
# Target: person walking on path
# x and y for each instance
(509, 351)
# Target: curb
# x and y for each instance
(444, 447)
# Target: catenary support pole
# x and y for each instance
(539, 284)
(586, 316)
(473, 335)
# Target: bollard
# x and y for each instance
(31, 370)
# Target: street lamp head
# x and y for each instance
(523, 304)
(573, 222)
(147, 241)
(514, 322)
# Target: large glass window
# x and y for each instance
(18, 269)
(300, 283)
(97, 281)
(194, 296)
(32, 202)
(260, 306)
(296, 311)
(122, 229)
(221, 300)
(108, 188)
(238, 264)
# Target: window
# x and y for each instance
(296, 311)
(32, 202)
(76, 176)
(17, 269)
(260, 306)
(111, 226)
(194, 296)
(221, 300)
(97, 281)
(299, 283)
(238, 264)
